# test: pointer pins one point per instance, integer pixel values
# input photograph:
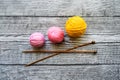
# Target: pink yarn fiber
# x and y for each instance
(55, 34)
(37, 39)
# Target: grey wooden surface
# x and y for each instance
(20, 18)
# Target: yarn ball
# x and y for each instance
(55, 34)
(75, 26)
(37, 39)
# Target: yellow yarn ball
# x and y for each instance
(75, 26)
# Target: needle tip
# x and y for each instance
(26, 65)
(93, 42)
(95, 51)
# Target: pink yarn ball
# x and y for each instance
(55, 34)
(37, 39)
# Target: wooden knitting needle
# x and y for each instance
(54, 54)
(60, 51)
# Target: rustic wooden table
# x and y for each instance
(20, 18)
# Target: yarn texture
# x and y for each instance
(55, 34)
(75, 26)
(37, 39)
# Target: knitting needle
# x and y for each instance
(60, 51)
(54, 54)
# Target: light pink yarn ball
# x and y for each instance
(37, 39)
(55, 34)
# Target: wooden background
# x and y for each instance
(20, 18)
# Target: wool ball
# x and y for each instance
(55, 34)
(37, 39)
(75, 26)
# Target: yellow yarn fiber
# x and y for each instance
(75, 26)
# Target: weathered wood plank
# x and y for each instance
(59, 8)
(27, 25)
(94, 72)
(108, 53)
(30, 16)
(102, 29)
(16, 30)
(117, 8)
(85, 38)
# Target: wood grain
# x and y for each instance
(21, 26)
(108, 53)
(20, 18)
(15, 34)
(84, 72)
(59, 8)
